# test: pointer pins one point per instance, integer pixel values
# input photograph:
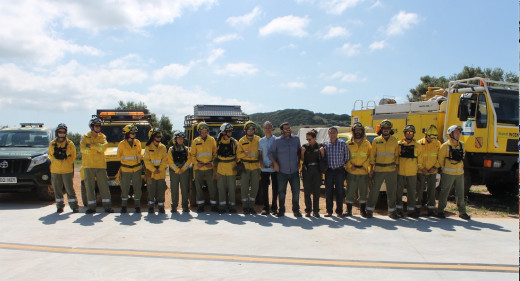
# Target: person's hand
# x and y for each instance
(303, 149)
(276, 167)
(200, 165)
(157, 171)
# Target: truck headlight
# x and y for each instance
(38, 160)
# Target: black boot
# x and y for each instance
(123, 209)
(349, 210)
(363, 208)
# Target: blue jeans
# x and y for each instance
(294, 181)
(334, 179)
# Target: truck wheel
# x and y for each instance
(46, 193)
(84, 194)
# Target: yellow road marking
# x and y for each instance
(259, 259)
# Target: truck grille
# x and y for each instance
(14, 166)
(112, 168)
(512, 145)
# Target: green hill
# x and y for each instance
(301, 117)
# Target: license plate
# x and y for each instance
(8, 180)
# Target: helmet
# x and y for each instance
(61, 126)
(453, 128)
(386, 123)
(409, 128)
(358, 125)
(226, 127)
(153, 131)
(202, 126)
(432, 132)
(178, 134)
(249, 124)
(94, 121)
(129, 129)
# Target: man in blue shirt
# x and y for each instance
(336, 152)
(268, 174)
(285, 155)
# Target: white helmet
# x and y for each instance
(452, 128)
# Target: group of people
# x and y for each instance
(268, 161)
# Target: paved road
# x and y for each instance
(38, 244)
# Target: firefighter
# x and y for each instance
(249, 156)
(62, 154)
(226, 163)
(156, 161)
(179, 163)
(428, 172)
(92, 146)
(203, 152)
(409, 162)
(129, 153)
(357, 169)
(383, 158)
(451, 159)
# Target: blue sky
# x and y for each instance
(61, 60)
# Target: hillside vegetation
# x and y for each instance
(301, 117)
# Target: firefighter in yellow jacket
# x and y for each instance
(62, 154)
(383, 159)
(226, 163)
(249, 156)
(409, 162)
(357, 169)
(92, 146)
(179, 162)
(203, 152)
(156, 162)
(451, 159)
(129, 153)
(428, 172)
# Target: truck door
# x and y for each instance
(473, 112)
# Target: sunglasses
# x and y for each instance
(309, 139)
(409, 133)
(62, 132)
(97, 125)
(158, 137)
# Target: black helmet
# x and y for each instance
(409, 128)
(94, 120)
(62, 126)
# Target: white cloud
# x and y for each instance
(349, 49)
(215, 54)
(225, 38)
(233, 69)
(173, 70)
(377, 45)
(245, 20)
(294, 85)
(401, 22)
(376, 4)
(347, 77)
(337, 7)
(331, 90)
(290, 25)
(336, 31)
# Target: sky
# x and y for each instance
(61, 60)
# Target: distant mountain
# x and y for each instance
(301, 117)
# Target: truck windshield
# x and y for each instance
(505, 103)
(114, 133)
(24, 138)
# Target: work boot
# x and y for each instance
(214, 208)
(393, 215)
(430, 213)
(414, 214)
(298, 214)
(399, 213)
(232, 210)
(245, 211)
(316, 214)
(200, 209)
(76, 210)
(307, 214)
(90, 211)
(161, 210)
(349, 210)
(151, 210)
(441, 215)
(252, 211)
(264, 213)
(123, 209)
(370, 214)
(363, 208)
(185, 210)
(109, 210)
(59, 210)
(464, 216)
(174, 210)
(137, 210)
(221, 210)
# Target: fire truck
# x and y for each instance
(486, 110)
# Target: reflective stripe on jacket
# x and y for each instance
(155, 156)
(384, 152)
(448, 166)
(409, 166)
(430, 154)
(359, 156)
(251, 162)
(93, 156)
(129, 156)
(203, 151)
(227, 166)
(172, 164)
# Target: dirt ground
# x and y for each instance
(480, 202)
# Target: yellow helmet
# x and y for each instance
(409, 128)
(153, 131)
(386, 123)
(130, 128)
(249, 124)
(202, 126)
(432, 132)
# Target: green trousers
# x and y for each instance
(427, 182)
(411, 186)
(58, 182)
(249, 182)
(183, 181)
(135, 179)
(199, 180)
(390, 178)
(93, 175)
(156, 190)
(357, 184)
(446, 182)
(226, 188)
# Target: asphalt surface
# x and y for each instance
(38, 244)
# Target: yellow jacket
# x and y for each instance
(64, 166)
(359, 156)
(129, 156)
(252, 161)
(175, 166)
(93, 156)
(451, 167)
(203, 151)
(409, 166)
(384, 154)
(430, 154)
(227, 166)
(156, 157)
